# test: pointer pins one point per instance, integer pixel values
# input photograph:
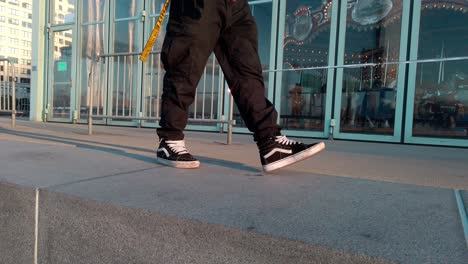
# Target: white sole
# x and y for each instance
(179, 164)
(295, 158)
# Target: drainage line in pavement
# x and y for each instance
(36, 228)
(463, 215)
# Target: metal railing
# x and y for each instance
(7, 89)
(121, 89)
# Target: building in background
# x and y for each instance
(376, 70)
(15, 44)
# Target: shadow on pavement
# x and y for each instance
(111, 149)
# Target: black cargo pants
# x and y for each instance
(195, 29)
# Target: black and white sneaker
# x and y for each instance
(279, 151)
(174, 153)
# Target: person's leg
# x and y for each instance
(237, 52)
(192, 33)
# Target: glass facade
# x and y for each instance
(379, 70)
(307, 31)
(92, 44)
(441, 88)
(368, 95)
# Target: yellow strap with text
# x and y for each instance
(154, 34)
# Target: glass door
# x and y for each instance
(370, 80)
(61, 71)
(306, 55)
(438, 89)
(61, 61)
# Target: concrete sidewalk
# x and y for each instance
(355, 203)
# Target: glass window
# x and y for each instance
(93, 10)
(64, 11)
(26, 5)
(127, 32)
(156, 6)
(373, 30)
(126, 8)
(127, 38)
(155, 70)
(306, 42)
(92, 67)
(13, 21)
(92, 41)
(441, 92)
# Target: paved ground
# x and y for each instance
(392, 202)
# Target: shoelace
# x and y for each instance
(285, 141)
(178, 146)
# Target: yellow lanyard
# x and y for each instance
(154, 34)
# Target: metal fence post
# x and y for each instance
(90, 122)
(90, 109)
(230, 119)
(13, 104)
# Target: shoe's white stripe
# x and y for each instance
(165, 151)
(273, 151)
(179, 164)
(295, 158)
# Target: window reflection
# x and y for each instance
(64, 11)
(441, 95)
(368, 99)
(92, 69)
(93, 10)
(155, 6)
(61, 81)
(126, 8)
(306, 43)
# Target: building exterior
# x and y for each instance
(377, 70)
(15, 41)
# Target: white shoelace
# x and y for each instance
(285, 141)
(178, 146)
